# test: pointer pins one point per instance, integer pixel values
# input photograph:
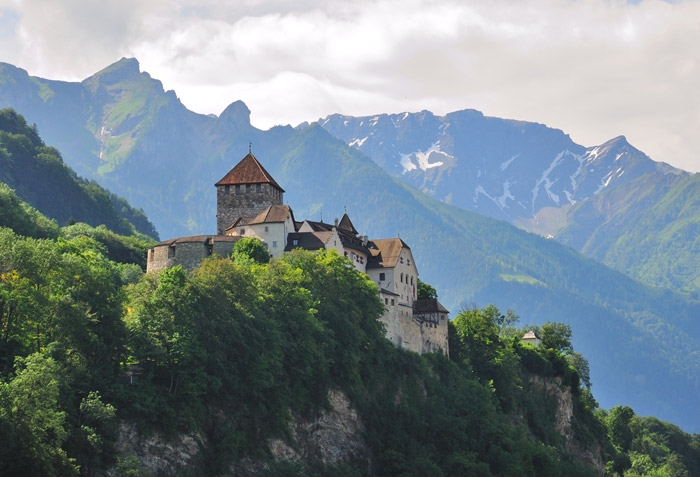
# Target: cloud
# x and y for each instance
(594, 68)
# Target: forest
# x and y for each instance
(258, 342)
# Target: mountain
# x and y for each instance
(123, 130)
(38, 175)
(611, 202)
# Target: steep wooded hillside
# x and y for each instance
(39, 176)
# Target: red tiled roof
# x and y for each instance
(248, 171)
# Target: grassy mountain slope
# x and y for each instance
(648, 228)
(39, 176)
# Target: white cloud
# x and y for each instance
(594, 68)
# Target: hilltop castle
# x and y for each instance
(250, 204)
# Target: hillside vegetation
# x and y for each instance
(234, 350)
(39, 176)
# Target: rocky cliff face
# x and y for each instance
(332, 437)
(588, 454)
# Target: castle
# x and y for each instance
(250, 204)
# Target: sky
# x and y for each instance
(595, 69)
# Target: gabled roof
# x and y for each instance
(273, 214)
(248, 171)
(346, 224)
(307, 240)
(530, 335)
(385, 252)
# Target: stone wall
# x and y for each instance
(244, 200)
(188, 252)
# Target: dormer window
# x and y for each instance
(295, 242)
(242, 232)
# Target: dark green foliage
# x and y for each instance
(236, 349)
(22, 218)
(426, 291)
(648, 446)
(39, 176)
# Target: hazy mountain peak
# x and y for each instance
(236, 115)
(123, 70)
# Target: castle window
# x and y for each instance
(171, 252)
(402, 278)
(401, 259)
(408, 262)
(227, 189)
(247, 188)
(237, 190)
(382, 277)
(274, 244)
(295, 242)
(386, 301)
(210, 250)
(411, 280)
(392, 302)
(258, 188)
(242, 231)
(267, 229)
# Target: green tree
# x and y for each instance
(32, 422)
(426, 291)
(556, 336)
(249, 248)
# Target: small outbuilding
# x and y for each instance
(532, 338)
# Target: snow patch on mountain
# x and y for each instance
(547, 182)
(357, 143)
(605, 182)
(505, 165)
(501, 201)
(423, 159)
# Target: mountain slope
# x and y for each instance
(39, 176)
(611, 202)
(648, 228)
(642, 342)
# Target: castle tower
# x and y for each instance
(244, 192)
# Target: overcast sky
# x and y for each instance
(594, 68)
